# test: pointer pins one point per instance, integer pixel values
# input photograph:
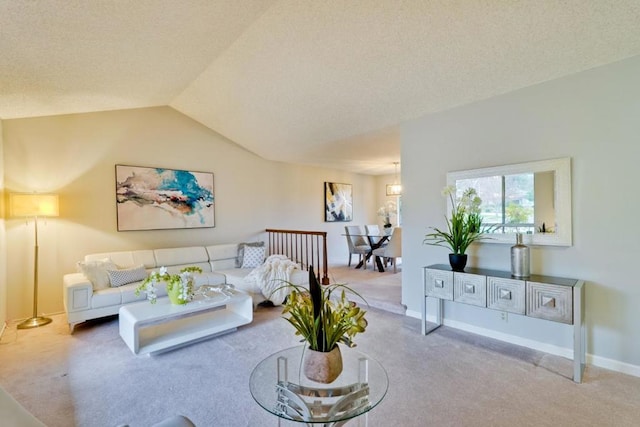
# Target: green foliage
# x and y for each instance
(517, 214)
(183, 280)
(465, 225)
(339, 319)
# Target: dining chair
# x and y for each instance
(374, 230)
(393, 250)
(356, 241)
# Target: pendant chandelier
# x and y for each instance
(394, 189)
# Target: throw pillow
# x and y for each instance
(241, 247)
(96, 272)
(253, 256)
(126, 276)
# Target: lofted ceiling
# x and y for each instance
(323, 83)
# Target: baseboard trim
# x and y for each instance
(614, 365)
(4, 328)
(601, 362)
(512, 339)
(415, 314)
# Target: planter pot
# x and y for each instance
(322, 367)
(173, 296)
(458, 261)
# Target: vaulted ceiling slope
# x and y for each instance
(304, 81)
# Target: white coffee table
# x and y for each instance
(153, 328)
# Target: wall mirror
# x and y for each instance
(532, 198)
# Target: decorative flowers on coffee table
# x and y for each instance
(179, 286)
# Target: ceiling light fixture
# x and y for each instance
(394, 189)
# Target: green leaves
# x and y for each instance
(338, 319)
(184, 280)
(465, 225)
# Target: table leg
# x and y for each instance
(579, 336)
(379, 264)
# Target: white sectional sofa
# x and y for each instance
(84, 300)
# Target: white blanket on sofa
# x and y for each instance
(272, 277)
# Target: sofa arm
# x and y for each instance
(77, 292)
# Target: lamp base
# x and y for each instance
(34, 322)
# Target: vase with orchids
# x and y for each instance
(385, 211)
(463, 227)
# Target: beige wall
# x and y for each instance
(591, 117)
(74, 155)
(382, 198)
(3, 240)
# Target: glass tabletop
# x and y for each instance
(279, 385)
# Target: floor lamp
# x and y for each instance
(34, 205)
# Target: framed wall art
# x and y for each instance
(338, 202)
(159, 198)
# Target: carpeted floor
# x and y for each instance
(380, 290)
(448, 378)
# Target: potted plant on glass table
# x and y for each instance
(323, 320)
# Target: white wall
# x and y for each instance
(592, 117)
(74, 155)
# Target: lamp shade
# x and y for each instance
(33, 204)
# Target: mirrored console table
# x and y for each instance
(555, 299)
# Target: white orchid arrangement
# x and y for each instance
(183, 280)
(465, 225)
(386, 210)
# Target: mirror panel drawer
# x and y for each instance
(438, 283)
(506, 294)
(551, 302)
(470, 289)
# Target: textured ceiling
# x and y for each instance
(317, 82)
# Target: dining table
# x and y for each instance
(375, 241)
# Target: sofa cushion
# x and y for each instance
(181, 256)
(127, 275)
(106, 298)
(127, 259)
(175, 269)
(96, 271)
(128, 292)
(235, 277)
(208, 278)
(222, 256)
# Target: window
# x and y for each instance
(508, 203)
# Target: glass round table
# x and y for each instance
(278, 384)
